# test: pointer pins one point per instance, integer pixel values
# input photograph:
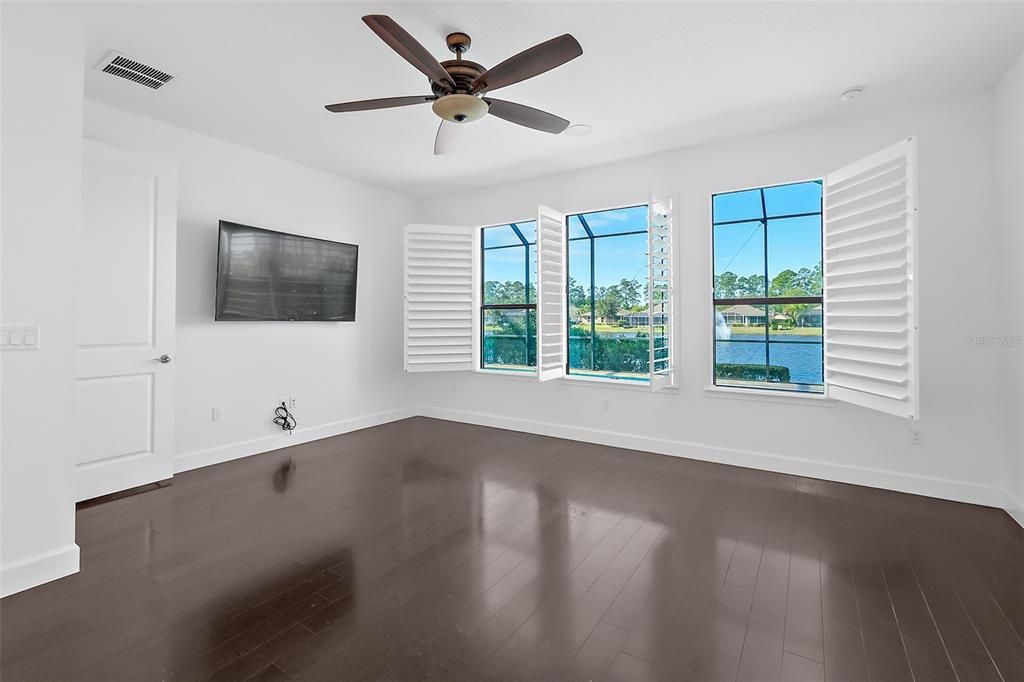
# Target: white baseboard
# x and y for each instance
(1015, 508)
(225, 453)
(38, 569)
(958, 491)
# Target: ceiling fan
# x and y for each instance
(460, 86)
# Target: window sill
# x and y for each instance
(513, 374)
(769, 396)
(617, 384)
(607, 381)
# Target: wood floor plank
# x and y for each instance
(625, 668)
(926, 651)
(883, 644)
(596, 655)
(761, 659)
(967, 652)
(804, 636)
(798, 669)
(843, 641)
(723, 644)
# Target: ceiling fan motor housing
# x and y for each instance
(463, 72)
(460, 106)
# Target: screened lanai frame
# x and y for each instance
(593, 289)
(766, 301)
(527, 306)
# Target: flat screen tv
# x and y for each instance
(268, 275)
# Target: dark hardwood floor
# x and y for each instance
(430, 549)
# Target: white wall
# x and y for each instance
(41, 140)
(343, 375)
(961, 397)
(1010, 187)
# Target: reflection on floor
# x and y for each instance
(430, 549)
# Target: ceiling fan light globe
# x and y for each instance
(460, 108)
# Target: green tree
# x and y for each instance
(629, 293)
(609, 302)
(725, 285)
(786, 283)
(506, 292)
(578, 296)
(814, 281)
(750, 286)
(490, 291)
(794, 310)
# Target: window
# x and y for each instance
(767, 287)
(609, 325)
(508, 310)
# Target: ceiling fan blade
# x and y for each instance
(399, 40)
(446, 138)
(383, 103)
(529, 63)
(526, 116)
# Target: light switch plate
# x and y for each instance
(19, 337)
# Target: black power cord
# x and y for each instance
(285, 419)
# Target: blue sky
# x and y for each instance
(616, 258)
(793, 243)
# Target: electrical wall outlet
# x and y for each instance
(215, 414)
(915, 436)
(604, 405)
(291, 402)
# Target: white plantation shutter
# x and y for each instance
(438, 298)
(870, 291)
(659, 288)
(551, 294)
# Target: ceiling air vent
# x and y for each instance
(116, 64)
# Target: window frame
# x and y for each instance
(642, 384)
(526, 307)
(764, 388)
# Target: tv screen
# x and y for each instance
(268, 275)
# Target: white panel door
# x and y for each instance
(551, 294)
(125, 382)
(870, 282)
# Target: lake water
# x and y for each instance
(802, 358)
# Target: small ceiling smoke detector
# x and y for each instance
(578, 130)
(116, 64)
(851, 94)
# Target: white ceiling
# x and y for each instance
(652, 76)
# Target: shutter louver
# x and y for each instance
(438, 298)
(870, 288)
(551, 294)
(659, 293)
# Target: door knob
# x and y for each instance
(165, 358)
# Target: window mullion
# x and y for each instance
(593, 306)
(767, 327)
